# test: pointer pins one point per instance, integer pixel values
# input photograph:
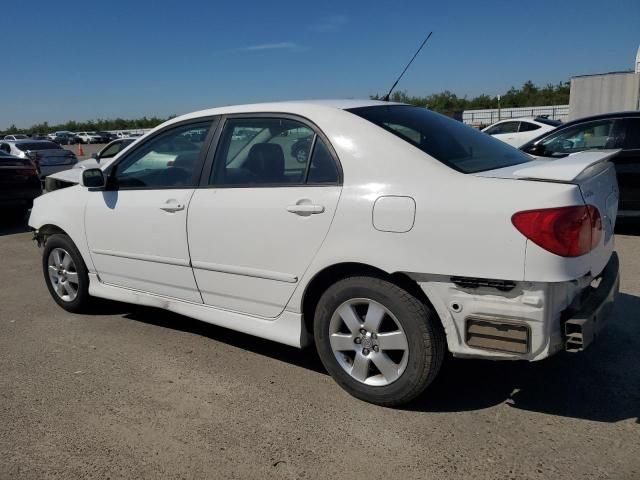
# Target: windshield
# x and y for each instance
(448, 141)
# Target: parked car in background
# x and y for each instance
(19, 183)
(65, 138)
(600, 132)
(47, 156)
(88, 137)
(107, 136)
(16, 136)
(405, 234)
(300, 149)
(67, 178)
(517, 132)
(39, 136)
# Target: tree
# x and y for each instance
(529, 95)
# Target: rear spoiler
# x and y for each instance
(566, 169)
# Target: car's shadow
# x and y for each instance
(600, 384)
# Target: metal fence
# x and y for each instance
(488, 116)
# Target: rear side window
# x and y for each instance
(451, 142)
(271, 151)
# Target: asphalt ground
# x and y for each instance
(132, 392)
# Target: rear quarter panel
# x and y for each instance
(462, 222)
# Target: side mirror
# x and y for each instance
(93, 178)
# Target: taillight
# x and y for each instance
(565, 231)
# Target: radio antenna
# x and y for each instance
(386, 97)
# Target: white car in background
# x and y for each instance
(518, 131)
(89, 137)
(405, 234)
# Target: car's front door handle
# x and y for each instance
(305, 209)
(172, 207)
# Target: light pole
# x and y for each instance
(499, 115)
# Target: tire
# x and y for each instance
(71, 274)
(410, 365)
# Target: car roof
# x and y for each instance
(603, 116)
(293, 106)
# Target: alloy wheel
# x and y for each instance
(368, 342)
(63, 274)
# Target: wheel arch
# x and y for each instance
(45, 231)
(331, 274)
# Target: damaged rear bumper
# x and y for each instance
(588, 315)
(527, 321)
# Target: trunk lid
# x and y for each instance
(591, 172)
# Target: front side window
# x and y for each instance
(165, 161)
(449, 141)
(596, 135)
(271, 151)
(111, 151)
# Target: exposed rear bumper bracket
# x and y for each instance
(585, 322)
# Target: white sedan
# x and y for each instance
(403, 235)
(518, 131)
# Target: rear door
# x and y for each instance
(263, 212)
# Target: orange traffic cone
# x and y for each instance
(80, 150)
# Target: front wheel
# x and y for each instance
(379, 342)
(65, 273)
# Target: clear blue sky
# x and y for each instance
(84, 60)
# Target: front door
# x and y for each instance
(268, 206)
(137, 228)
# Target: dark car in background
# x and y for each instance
(601, 132)
(47, 156)
(107, 136)
(19, 183)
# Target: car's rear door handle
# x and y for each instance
(172, 207)
(305, 209)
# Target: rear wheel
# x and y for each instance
(377, 341)
(65, 273)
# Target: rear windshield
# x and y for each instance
(449, 141)
(24, 146)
